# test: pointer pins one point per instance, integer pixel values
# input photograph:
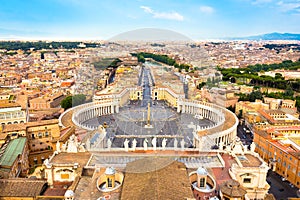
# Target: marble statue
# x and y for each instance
(126, 144)
(182, 144)
(133, 143)
(145, 144)
(175, 143)
(72, 144)
(164, 143)
(252, 147)
(154, 143)
(108, 143)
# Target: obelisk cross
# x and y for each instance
(148, 115)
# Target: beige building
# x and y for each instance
(247, 106)
(42, 137)
(52, 101)
(11, 113)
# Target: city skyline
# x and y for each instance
(101, 20)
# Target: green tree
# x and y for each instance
(66, 103)
(71, 101)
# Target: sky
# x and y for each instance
(103, 19)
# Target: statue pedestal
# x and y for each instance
(148, 126)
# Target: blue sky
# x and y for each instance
(102, 19)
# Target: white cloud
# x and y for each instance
(147, 9)
(163, 15)
(255, 2)
(207, 9)
(292, 5)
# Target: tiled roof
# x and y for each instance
(21, 187)
(232, 189)
(23, 126)
(9, 105)
(14, 148)
(168, 181)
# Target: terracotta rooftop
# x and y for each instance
(65, 158)
(248, 160)
(9, 105)
(23, 126)
(233, 189)
(166, 182)
(21, 187)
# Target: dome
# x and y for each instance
(69, 193)
(110, 171)
(201, 171)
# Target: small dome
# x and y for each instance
(69, 193)
(110, 171)
(202, 171)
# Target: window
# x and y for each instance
(64, 176)
(202, 182)
(32, 136)
(40, 135)
(46, 134)
(247, 180)
(109, 182)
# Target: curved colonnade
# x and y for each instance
(222, 132)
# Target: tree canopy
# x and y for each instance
(71, 101)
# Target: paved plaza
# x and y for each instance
(166, 123)
(132, 121)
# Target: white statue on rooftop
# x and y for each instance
(145, 143)
(252, 147)
(175, 143)
(72, 144)
(133, 143)
(164, 143)
(126, 144)
(109, 143)
(182, 144)
(154, 143)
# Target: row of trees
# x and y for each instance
(15, 45)
(161, 58)
(249, 75)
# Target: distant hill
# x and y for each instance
(272, 36)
